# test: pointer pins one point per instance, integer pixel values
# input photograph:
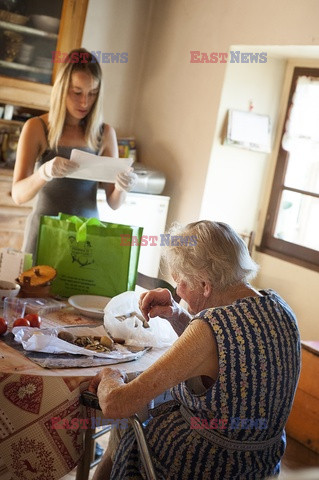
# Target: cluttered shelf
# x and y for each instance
(24, 68)
(27, 30)
(30, 31)
(9, 123)
(26, 43)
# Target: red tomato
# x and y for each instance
(3, 326)
(21, 322)
(34, 319)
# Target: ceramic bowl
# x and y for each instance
(89, 305)
(8, 289)
(43, 22)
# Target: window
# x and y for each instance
(292, 222)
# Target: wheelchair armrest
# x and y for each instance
(89, 399)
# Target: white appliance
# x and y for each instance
(143, 210)
(148, 180)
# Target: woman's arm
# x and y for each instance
(26, 184)
(109, 148)
(194, 353)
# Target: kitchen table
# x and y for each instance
(33, 398)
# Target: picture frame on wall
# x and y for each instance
(248, 130)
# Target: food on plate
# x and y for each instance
(3, 326)
(21, 322)
(106, 341)
(34, 319)
(66, 336)
(96, 343)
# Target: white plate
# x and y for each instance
(89, 305)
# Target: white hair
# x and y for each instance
(215, 253)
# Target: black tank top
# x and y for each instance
(66, 195)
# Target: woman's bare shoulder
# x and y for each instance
(109, 141)
(108, 130)
(38, 120)
(36, 125)
(34, 132)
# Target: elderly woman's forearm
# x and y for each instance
(193, 354)
(121, 401)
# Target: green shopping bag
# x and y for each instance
(90, 256)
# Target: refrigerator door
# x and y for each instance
(143, 210)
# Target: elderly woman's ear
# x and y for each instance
(207, 289)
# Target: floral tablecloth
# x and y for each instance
(31, 447)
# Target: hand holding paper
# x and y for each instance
(126, 180)
(58, 167)
(97, 168)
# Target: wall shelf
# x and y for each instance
(10, 123)
(28, 30)
(24, 68)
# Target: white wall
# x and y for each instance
(298, 286)
(235, 177)
(119, 26)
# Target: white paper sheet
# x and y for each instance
(97, 168)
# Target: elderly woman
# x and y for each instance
(233, 370)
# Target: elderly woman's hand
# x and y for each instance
(94, 383)
(103, 384)
(107, 374)
(160, 303)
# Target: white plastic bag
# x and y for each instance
(160, 333)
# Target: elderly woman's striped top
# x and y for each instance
(234, 429)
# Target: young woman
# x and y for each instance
(46, 142)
